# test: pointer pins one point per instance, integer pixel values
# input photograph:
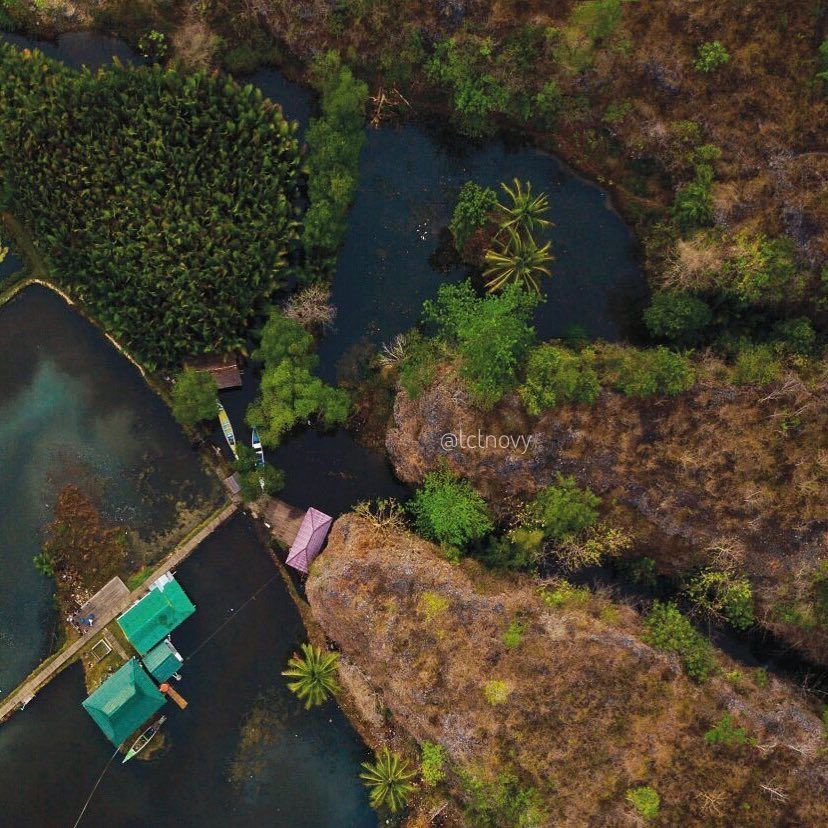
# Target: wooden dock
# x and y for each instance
(282, 519)
(113, 608)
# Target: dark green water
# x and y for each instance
(73, 410)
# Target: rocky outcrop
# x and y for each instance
(580, 710)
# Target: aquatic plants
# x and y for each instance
(194, 397)
(388, 778)
(164, 200)
(313, 674)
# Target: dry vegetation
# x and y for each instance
(582, 711)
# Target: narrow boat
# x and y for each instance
(227, 428)
(144, 739)
(257, 447)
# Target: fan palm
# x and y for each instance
(389, 780)
(314, 673)
(517, 259)
(526, 211)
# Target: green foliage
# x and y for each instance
(313, 674)
(492, 335)
(722, 594)
(725, 732)
(822, 53)
(476, 93)
(677, 316)
(514, 633)
(194, 397)
(591, 25)
(289, 392)
(172, 230)
(693, 204)
(668, 629)
(432, 763)
(255, 480)
(524, 210)
(335, 141)
(388, 779)
(496, 692)
(562, 509)
(501, 802)
(432, 605)
(516, 258)
(556, 375)
(563, 594)
(652, 371)
(756, 365)
(645, 800)
(418, 366)
(153, 44)
(762, 269)
(449, 511)
(44, 563)
(474, 206)
(795, 336)
(710, 56)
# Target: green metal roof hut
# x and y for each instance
(124, 702)
(156, 615)
(163, 661)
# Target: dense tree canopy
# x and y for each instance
(163, 199)
(194, 397)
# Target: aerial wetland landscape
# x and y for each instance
(413, 414)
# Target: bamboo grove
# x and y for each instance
(165, 201)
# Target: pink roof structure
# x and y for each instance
(309, 539)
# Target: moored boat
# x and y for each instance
(257, 447)
(144, 739)
(227, 428)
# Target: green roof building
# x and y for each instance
(156, 615)
(124, 702)
(163, 661)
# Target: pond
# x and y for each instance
(243, 753)
(73, 410)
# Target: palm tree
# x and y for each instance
(315, 674)
(527, 210)
(389, 779)
(518, 259)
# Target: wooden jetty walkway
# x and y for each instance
(52, 666)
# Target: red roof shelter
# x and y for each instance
(309, 540)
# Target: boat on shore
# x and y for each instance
(227, 428)
(144, 739)
(257, 447)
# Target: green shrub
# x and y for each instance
(795, 336)
(496, 692)
(693, 204)
(514, 634)
(677, 316)
(492, 335)
(723, 594)
(564, 594)
(418, 366)
(710, 56)
(471, 212)
(762, 269)
(653, 371)
(756, 365)
(449, 511)
(668, 629)
(256, 481)
(432, 763)
(555, 375)
(194, 397)
(724, 732)
(645, 800)
(561, 510)
(501, 802)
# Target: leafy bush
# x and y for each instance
(449, 511)
(723, 594)
(418, 365)
(471, 212)
(677, 316)
(492, 335)
(762, 269)
(496, 692)
(645, 800)
(185, 224)
(255, 480)
(514, 633)
(564, 594)
(501, 802)
(194, 397)
(693, 203)
(795, 336)
(652, 371)
(724, 732)
(756, 365)
(561, 510)
(710, 56)
(335, 141)
(668, 629)
(590, 548)
(432, 763)
(555, 375)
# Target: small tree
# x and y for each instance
(668, 629)
(711, 56)
(314, 674)
(450, 511)
(474, 206)
(194, 397)
(388, 778)
(562, 510)
(677, 316)
(725, 732)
